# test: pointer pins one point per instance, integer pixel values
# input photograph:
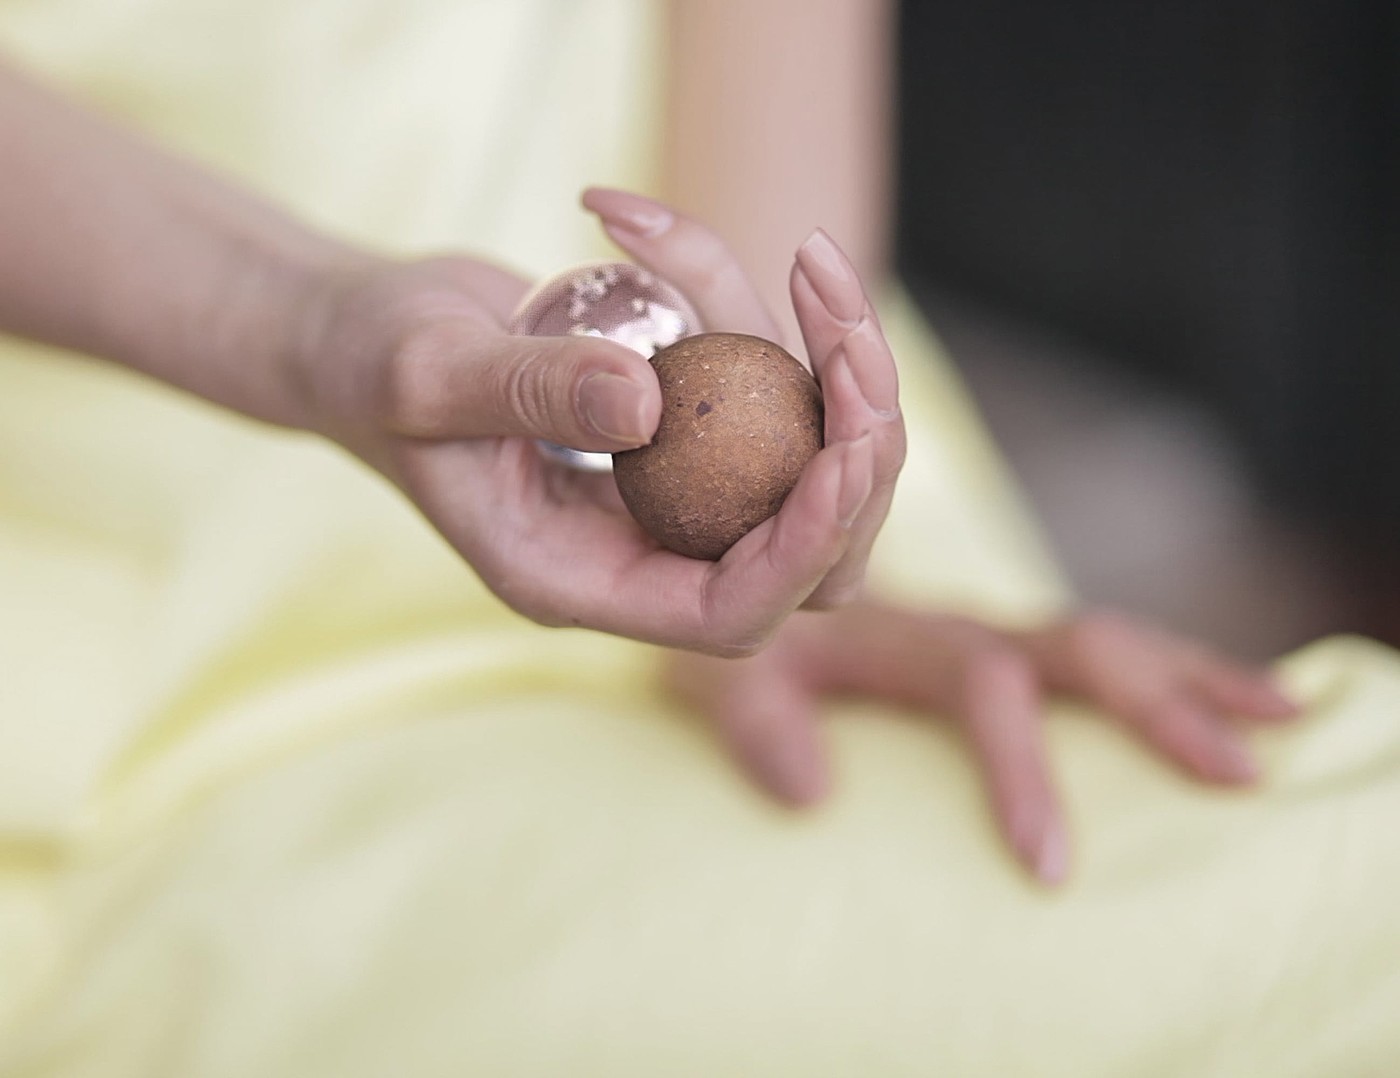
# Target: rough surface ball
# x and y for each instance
(740, 419)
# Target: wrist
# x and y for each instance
(286, 300)
(224, 314)
(270, 303)
(118, 250)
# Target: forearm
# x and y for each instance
(113, 248)
(779, 120)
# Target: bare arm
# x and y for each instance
(114, 248)
(780, 119)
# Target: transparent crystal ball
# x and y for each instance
(616, 300)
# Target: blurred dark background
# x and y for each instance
(1161, 243)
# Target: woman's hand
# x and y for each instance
(1178, 697)
(119, 250)
(410, 366)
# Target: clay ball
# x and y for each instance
(740, 419)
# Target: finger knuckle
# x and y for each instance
(529, 601)
(712, 260)
(527, 393)
(995, 661)
(716, 637)
(1095, 632)
(834, 596)
(890, 462)
(736, 649)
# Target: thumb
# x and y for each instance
(582, 392)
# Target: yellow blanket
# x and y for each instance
(284, 792)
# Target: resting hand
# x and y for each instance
(1177, 697)
(409, 365)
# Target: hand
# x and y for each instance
(1176, 696)
(409, 365)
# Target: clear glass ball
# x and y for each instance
(615, 300)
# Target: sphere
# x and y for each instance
(615, 300)
(740, 420)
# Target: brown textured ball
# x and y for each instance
(740, 419)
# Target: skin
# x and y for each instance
(763, 142)
(1177, 698)
(120, 251)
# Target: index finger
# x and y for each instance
(689, 256)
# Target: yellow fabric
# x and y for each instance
(283, 791)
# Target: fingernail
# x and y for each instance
(867, 358)
(856, 481)
(832, 277)
(1052, 859)
(614, 407)
(631, 213)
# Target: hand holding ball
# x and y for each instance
(618, 301)
(740, 417)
